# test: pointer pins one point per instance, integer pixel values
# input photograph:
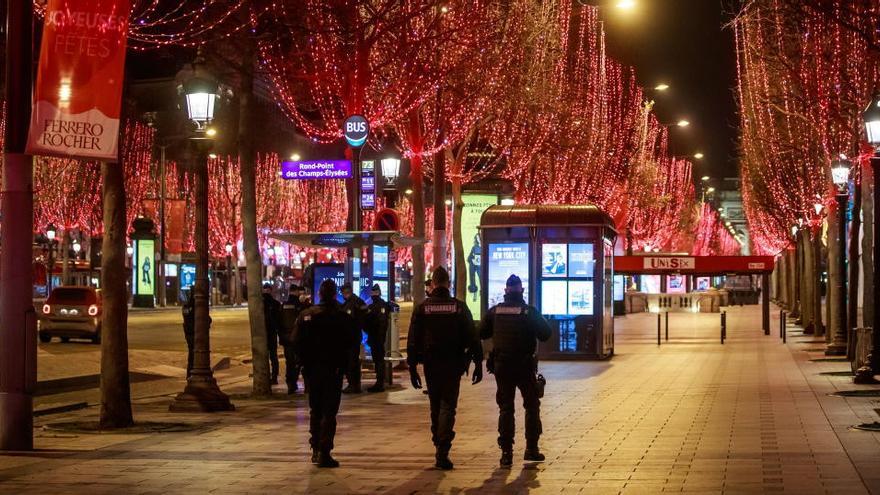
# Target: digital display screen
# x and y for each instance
(145, 266)
(554, 260)
(506, 260)
(554, 297)
(703, 283)
(580, 297)
(187, 275)
(675, 284)
(380, 261)
(619, 288)
(651, 284)
(170, 270)
(581, 262)
(323, 271)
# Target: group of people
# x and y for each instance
(444, 340)
(323, 341)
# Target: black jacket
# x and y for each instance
(290, 311)
(357, 309)
(442, 330)
(514, 328)
(376, 322)
(271, 314)
(324, 337)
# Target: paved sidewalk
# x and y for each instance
(751, 416)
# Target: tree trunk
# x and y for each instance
(816, 289)
(457, 241)
(792, 276)
(115, 387)
(418, 251)
(438, 238)
(853, 266)
(65, 257)
(867, 249)
(832, 291)
(247, 158)
(807, 267)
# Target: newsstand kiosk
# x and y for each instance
(564, 256)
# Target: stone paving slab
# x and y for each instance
(690, 416)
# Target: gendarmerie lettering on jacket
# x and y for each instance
(440, 308)
(511, 310)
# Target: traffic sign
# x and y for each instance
(356, 129)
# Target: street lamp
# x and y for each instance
(840, 176)
(51, 232)
(201, 92)
(683, 123)
(699, 155)
(871, 116)
(390, 170)
(661, 87)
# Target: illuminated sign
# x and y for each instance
(319, 169)
(368, 185)
(668, 263)
(144, 267)
(356, 129)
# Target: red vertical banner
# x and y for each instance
(77, 97)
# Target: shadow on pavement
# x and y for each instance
(496, 483)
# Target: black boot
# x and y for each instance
(378, 387)
(315, 456)
(506, 458)
(350, 389)
(533, 454)
(325, 460)
(442, 460)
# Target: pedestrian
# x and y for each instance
(323, 339)
(189, 327)
(357, 309)
(290, 310)
(272, 317)
(376, 327)
(443, 339)
(515, 327)
(428, 287)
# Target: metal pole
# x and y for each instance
(201, 392)
(723, 326)
(162, 294)
(765, 302)
(18, 333)
(782, 326)
(667, 326)
(658, 328)
(51, 267)
(229, 278)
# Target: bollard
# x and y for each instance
(667, 326)
(781, 322)
(658, 328)
(723, 326)
(784, 330)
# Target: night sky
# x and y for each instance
(688, 45)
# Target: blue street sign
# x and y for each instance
(356, 129)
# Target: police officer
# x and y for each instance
(376, 328)
(514, 327)
(357, 309)
(442, 337)
(272, 317)
(189, 327)
(290, 310)
(323, 340)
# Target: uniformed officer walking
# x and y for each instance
(514, 328)
(290, 311)
(357, 309)
(442, 337)
(376, 328)
(323, 340)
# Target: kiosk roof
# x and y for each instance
(546, 215)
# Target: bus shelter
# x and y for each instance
(688, 268)
(564, 256)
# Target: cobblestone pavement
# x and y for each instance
(751, 416)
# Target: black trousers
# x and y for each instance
(325, 394)
(291, 367)
(443, 380)
(377, 352)
(272, 345)
(353, 371)
(509, 378)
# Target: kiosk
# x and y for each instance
(564, 256)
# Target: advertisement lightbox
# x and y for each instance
(554, 297)
(580, 297)
(474, 206)
(144, 267)
(554, 260)
(505, 260)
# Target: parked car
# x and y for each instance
(71, 312)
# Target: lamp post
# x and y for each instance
(391, 171)
(228, 248)
(840, 176)
(201, 91)
(51, 232)
(871, 116)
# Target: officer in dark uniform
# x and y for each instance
(323, 340)
(357, 309)
(376, 327)
(272, 317)
(442, 337)
(515, 327)
(290, 310)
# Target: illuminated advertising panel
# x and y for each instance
(144, 267)
(554, 261)
(582, 263)
(506, 260)
(580, 297)
(472, 211)
(554, 297)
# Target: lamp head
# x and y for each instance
(840, 172)
(871, 116)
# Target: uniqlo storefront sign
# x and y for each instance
(79, 82)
